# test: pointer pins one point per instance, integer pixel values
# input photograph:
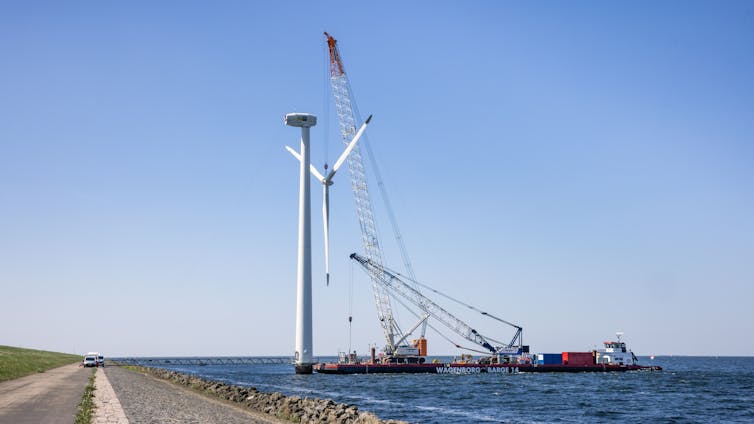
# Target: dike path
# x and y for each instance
(146, 399)
(50, 397)
(150, 395)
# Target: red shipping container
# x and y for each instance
(578, 358)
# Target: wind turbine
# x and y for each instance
(326, 183)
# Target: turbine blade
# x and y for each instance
(326, 225)
(312, 169)
(316, 173)
(293, 152)
(350, 147)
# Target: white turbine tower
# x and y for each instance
(326, 183)
(303, 356)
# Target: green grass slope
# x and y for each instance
(17, 362)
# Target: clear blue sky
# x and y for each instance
(578, 168)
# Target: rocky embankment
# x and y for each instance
(291, 408)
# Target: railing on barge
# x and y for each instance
(202, 361)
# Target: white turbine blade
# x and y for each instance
(350, 147)
(312, 169)
(293, 152)
(316, 173)
(326, 222)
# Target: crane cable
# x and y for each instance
(438, 332)
(391, 215)
(350, 304)
(326, 105)
(383, 190)
(386, 201)
(402, 303)
(473, 308)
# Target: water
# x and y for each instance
(690, 389)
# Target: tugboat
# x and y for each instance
(616, 353)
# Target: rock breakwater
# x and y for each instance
(290, 408)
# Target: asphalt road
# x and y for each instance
(45, 398)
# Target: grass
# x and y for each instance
(17, 362)
(86, 406)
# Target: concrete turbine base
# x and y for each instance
(304, 368)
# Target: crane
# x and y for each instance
(369, 236)
(391, 281)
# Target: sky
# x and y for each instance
(578, 168)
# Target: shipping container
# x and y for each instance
(549, 359)
(421, 344)
(578, 358)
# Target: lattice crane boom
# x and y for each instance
(347, 124)
(397, 286)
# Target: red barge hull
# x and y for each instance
(454, 368)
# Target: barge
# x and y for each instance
(460, 368)
(613, 357)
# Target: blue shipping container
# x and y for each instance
(550, 358)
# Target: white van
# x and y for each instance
(90, 361)
(99, 360)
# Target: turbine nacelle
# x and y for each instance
(303, 120)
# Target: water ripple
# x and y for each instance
(690, 389)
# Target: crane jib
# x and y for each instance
(396, 285)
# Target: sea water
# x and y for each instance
(690, 389)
